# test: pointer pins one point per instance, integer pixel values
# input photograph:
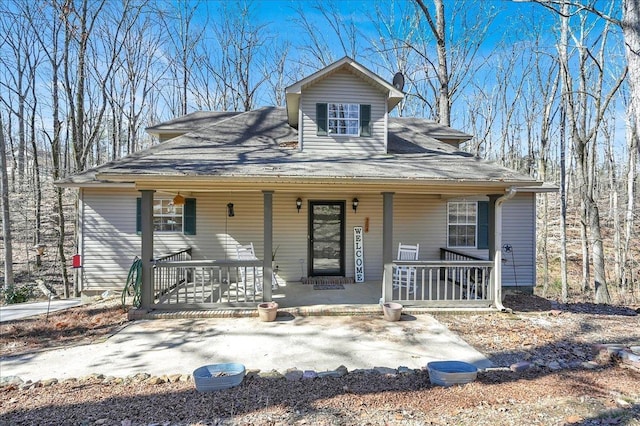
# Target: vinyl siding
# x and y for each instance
(423, 220)
(519, 231)
(343, 87)
(109, 242)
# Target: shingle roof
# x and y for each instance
(260, 144)
(191, 122)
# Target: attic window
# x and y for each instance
(344, 119)
(341, 119)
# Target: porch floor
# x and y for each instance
(296, 298)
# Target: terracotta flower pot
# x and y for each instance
(392, 311)
(267, 311)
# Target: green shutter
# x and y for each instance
(189, 216)
(365, 120)
(483, 224)
(321, 118)
(138, 215)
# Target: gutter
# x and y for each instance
(511, 192)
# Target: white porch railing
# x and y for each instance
(451, 284)
(206, 283)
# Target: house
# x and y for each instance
(324, 189)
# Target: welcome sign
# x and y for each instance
(358, 253)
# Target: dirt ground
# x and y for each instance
(567, 382)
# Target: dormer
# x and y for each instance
(342, 109)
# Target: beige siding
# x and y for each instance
(109, 240)
(343, 87)
(290, 233)
(519, 231)
(420, 219)
(110, 243)
(423, 220)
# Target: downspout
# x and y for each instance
(497, 247)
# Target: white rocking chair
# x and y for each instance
(406, 276)
(254, 273)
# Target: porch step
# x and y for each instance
(302, 311)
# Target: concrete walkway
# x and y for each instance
(25, 310)
(176, 346)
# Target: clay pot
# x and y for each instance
(267, 311)
(392, 311)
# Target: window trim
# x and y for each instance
(188, 217)
(345, 106)
(363, 121)
(161, 215)
(467, 223)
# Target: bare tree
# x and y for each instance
(331, 35)
(48, 33)
(241, 39)
(15, 82)
(396, 23)
(276, 75)
(438, 30)
(6, 216)
(583, 131)
(458, 32)
(184, 36)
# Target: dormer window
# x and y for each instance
(341, 119)
(344, 119)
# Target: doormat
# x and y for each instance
(328, 287)
(327, 280)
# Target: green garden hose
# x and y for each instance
(134, 284)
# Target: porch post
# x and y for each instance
(146, 213)
(387, 246)
(495, 241)
(492, 225)
(267, 274)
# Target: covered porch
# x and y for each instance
(455, 281)
(448, 280)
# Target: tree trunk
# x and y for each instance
(631, 33)
(563, 206)
(438, 30)
(6, 217)
(599, 275)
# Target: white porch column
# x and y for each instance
(387, 246)
(146, 213)
(495, 242)
(267, 274)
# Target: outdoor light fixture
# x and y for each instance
(230, 211)
(299, 204)
(178, 200)
(355, 203)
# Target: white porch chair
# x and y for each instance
(251, 274)
(406, 276)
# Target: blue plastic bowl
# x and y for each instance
(448, 373)
(218, 376)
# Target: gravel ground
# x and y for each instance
(566, 384)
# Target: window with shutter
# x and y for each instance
(462, 223)
(168, 217)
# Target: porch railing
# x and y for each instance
(207, 283)
(445, 283)
(448, 254)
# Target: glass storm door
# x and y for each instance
(326, 238)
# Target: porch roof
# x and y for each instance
(261, 146)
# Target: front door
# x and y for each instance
(326, 238)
